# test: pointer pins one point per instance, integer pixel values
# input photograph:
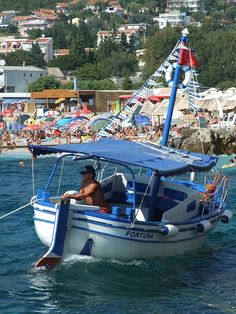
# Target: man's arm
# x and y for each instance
(88, 191)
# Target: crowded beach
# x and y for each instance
(78, 123)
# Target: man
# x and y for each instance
(90, 190)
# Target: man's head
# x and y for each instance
(88, 170)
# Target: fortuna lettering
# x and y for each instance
(139, 235)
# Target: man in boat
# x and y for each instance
(90, 190)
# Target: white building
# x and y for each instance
(36, 20)
(16, 79)
(11, 44)
(173, 19)
(128, 29)
(45, 44)
(5, 18)
(193, 5)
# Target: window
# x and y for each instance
(191, 206)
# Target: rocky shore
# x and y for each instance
(209, 141)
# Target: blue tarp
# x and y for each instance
(163, 160)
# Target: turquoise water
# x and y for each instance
(200, 282)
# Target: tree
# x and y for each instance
(127, 83)
(65, 63)
(18, 58)
(93, 71)
(12, 29)
(97, 84)
(46, 82)
(35, 33)
(37, 56)
(77, 49)
(230, 14)
(123, 42)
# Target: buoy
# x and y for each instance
(169, 230)
(204, 226)
(170, 72)
(226, 216)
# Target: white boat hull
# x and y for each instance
(118, 239)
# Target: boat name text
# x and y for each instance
(139, 235)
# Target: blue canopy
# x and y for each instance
(165, 161)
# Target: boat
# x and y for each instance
(162, 201)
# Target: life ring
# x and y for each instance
(170, 72)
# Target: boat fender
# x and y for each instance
(226, 216)
(170, 72)
(169, 230)
(204, 226)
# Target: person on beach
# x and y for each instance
(90, 190)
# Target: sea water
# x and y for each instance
(201, 282)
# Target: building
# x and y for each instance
(140, 54)
(192, 5)
(115, 9)
(63, 8)
(56, 72)
(16, 79)
(36, 20)
(44, 43)
(173, 19)
(5, 18)
(61, 53)
(11, 44)
(97, 100)
(135, 30)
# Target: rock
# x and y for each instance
(210, 141)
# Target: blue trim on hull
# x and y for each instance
(137, 240)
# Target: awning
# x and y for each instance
(59, 100)
(165, 161)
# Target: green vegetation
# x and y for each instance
(214, 41)
(46, 82)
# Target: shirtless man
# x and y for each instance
(90, 190)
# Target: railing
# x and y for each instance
(216, 193)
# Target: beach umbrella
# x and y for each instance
(29, 121)
(23, 117)
(182, 103)
(147, 107)
(32, 127)
(57, 132)
(51, 113)
(142, 120)
(39, 122)
(98, 124)
(49, 119)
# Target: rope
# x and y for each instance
(60, 178)
(142, 200)
(33, 182)
(14, 211)
(30, 203)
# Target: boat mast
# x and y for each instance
(184, 39)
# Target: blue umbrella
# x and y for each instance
(142, 120)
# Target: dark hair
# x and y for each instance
(88, 169)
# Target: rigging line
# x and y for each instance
(172, 154)
(142, 200)
(16, 210)
(60, 178)
(24, 206)
(33, 179)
